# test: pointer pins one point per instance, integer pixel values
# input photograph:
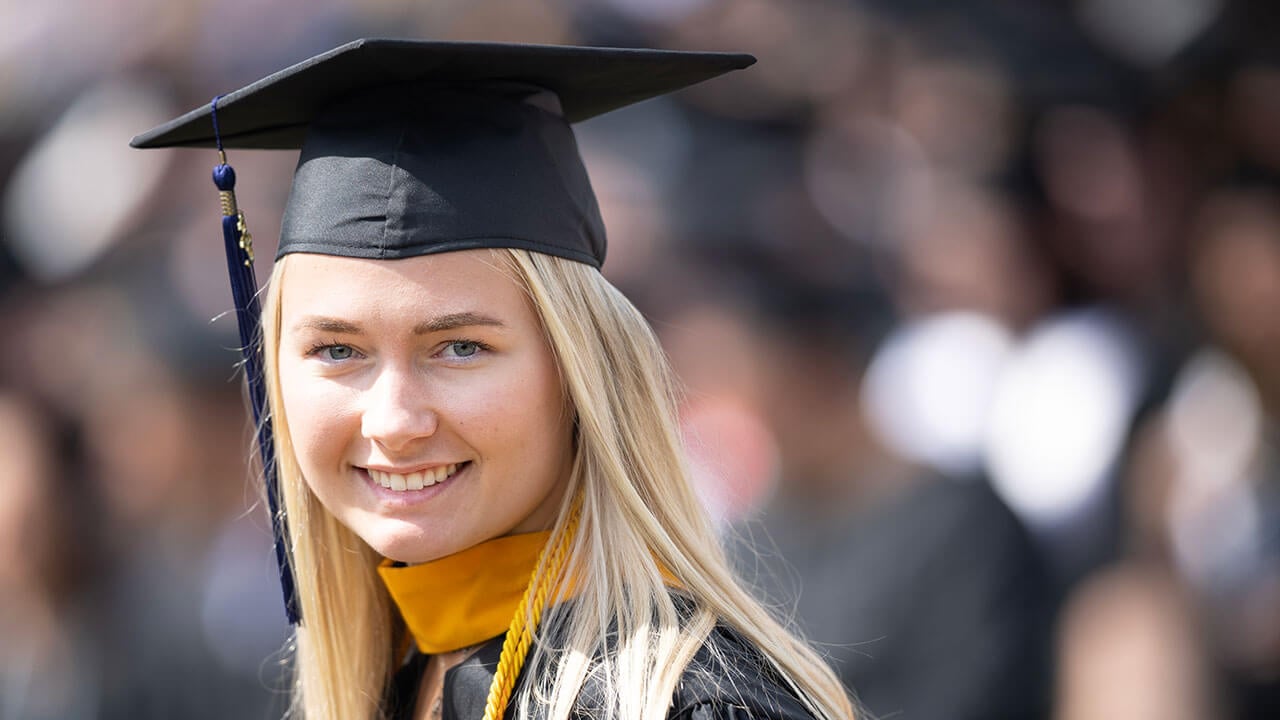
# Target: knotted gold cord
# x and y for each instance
(526, 619)
(246, 239)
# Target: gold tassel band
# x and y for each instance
(227, 199)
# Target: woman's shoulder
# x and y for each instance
(729, 678)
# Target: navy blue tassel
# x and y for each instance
(244, 290)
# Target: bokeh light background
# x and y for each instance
(1021, 251)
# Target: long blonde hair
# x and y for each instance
(639, 519)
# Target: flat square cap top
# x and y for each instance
(274, 112)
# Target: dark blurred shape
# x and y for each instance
(45, 671)
(925, 591)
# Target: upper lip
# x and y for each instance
(411, 469)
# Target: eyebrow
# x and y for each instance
(455, 320)
(325, 324)
(437, 324)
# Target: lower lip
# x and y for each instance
(387, 496)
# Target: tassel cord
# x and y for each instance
(244, 290)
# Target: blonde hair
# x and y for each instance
(639, 519)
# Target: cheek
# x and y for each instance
(520, 415)
(319, 419)
(544, 420)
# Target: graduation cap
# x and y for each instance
(416, 147)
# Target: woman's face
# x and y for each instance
(430, 375)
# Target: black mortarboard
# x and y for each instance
(417, 147)
(413, 147)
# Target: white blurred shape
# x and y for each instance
(71, 196)
(928, 390)
(1216, 432)
(1217, 545)
(1215, 420)
(1061, 415)
(1148, 32)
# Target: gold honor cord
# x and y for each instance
(525, 623)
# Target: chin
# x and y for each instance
(408, 546)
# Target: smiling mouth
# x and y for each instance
(415, 481)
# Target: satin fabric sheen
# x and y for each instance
(465, 598)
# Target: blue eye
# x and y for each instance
(332, 352)
(464, 348)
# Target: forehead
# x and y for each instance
(405, 289)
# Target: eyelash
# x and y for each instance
(480, 347)
(318, 348)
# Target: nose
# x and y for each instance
(397, 411)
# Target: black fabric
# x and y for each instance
(418, 147)
(727, 679)
(930, 605)
(403, 693)
(441, 170)
(466, 686)
(274, 112)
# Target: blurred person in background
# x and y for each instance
(923, 589)
(1222, 515)
(1131, 642)
(47, 665)
(147, 495)
(171, 504)
(1129, 648)
(881, 534)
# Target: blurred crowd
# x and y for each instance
(975, 306)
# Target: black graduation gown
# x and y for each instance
(932, 605)
(725, 681)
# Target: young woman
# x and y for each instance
(474, 433)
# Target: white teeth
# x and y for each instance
(413, 481)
